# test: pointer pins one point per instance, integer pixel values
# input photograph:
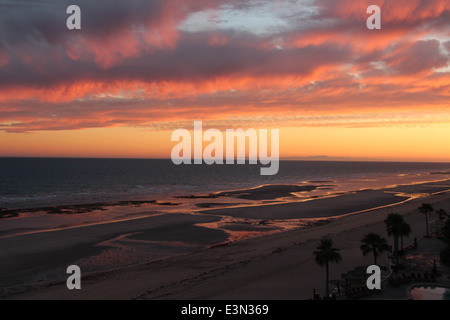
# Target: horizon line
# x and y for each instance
(308, 158)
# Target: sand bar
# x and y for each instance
(317, 208)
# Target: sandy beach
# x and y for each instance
(274, 265)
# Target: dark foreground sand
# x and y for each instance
(45, 255)
(275, 266)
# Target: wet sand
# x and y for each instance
(316, 208)
(78, 208)
(428, 188)
(273, 266)
(269, 192)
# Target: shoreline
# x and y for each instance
(260, 194)
(356, 183)
(211, 261)
(257, 204)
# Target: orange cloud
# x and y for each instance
(144, 70)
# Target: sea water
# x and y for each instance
(43, 182)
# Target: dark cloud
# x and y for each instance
(78, 79)
(447, 46)
(417, 57)
(192, 59)
(28, 21)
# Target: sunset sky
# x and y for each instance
(137, 70)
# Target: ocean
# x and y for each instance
(43, 182)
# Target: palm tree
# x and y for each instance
(405, 231)
(394, 223)
(326, 253)
(374, 243)
(426, 208)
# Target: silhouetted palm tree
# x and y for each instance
(394, 223)
(426, 208)
(374, 243)
(405, 231)
(325, 254)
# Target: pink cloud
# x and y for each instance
(130, 67)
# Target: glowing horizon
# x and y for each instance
(135, 72)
